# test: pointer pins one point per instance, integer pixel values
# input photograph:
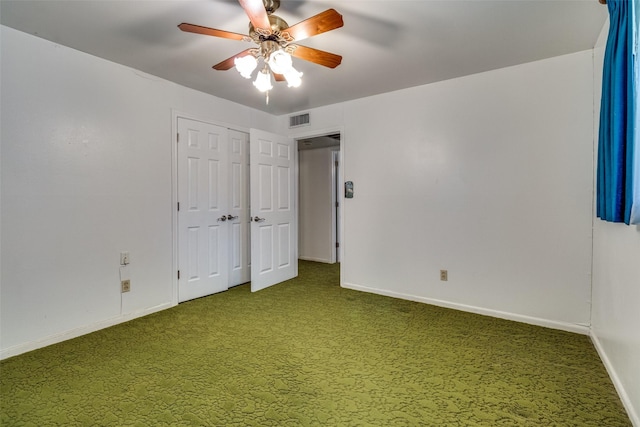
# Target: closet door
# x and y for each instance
(203, 187)
(274, 230)
(238, 219)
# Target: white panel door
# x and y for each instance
(274, 231)
(203, 205)
(238, 218)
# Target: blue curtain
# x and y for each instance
(617, 169)
(635, 208)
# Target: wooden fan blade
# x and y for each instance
(321, 57)
(278, 77)
(228, 63)
(257, 14)
(321, 23)
(191, 28)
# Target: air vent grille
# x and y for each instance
(299, 120)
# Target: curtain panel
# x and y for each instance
(618, 171)
(635, 208)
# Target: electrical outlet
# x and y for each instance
(126, 285)
(444, 275)
(124, 258)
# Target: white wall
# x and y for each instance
(316, 207)
(615, 321)
(488, 176)
(86, 173)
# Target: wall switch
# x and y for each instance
(124, 258)
(444, 275)
(126, 285)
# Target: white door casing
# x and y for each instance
(335, 196)
(238, 222)
(203, 203)
(274, 233)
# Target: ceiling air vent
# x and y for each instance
(299, 120)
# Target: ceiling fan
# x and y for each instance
(277, 43)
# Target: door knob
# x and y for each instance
(222, 218)
(231, 217)
(258, 219)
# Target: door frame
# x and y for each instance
(297, 135)
(336, 236)
(175, 115)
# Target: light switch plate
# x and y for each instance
(124, 258)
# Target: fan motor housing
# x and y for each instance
(277, 26)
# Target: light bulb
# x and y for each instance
(293, 77)
(280, 62)
(245, 65)
(263, 81)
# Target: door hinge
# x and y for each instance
(336, 163)
(337, 204)
(178, 206)
(177, 137)
(337, 244)
(178, 274)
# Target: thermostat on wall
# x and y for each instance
(348, 190)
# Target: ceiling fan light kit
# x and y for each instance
(263, 81)
(280, 62)
(245, 65)
(293, 77)
(275, 40)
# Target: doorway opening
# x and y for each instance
(319, 213)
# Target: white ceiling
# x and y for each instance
(386, 45)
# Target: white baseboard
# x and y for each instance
(569, 327)
(615, 379)
(83, 330)
(308, 258)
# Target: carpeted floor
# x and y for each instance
(307, 352)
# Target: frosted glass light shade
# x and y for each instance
(293, 77)
(263, 81)
(245, 65)
(280, 62)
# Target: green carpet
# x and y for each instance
(307, 352)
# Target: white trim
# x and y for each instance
(615, 379)
(335, 202)
(314, 259)
(174, 206)
(341, 200)
(563, 326)
(207, 119)
(83, 330)
(297, 134)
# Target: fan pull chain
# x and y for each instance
(267, 98)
